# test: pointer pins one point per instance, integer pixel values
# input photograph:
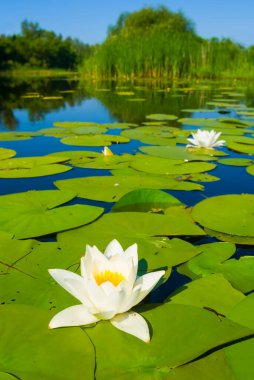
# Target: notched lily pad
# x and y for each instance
(36, 213)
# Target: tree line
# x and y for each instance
(35, 47)
(152, 42)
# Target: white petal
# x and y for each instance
(105, 297)
(92, 258)
(132, 252)
(148, 282)
(72, 282)
(114, 248)
(72, 316)
(132, 323)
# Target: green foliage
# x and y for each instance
(36, 47)
(156, 42)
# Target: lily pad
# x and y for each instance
(36, 213)
(74, 124)
(229, 214)
(162, 117)
(158, 165)
(171, 326)
(132, 225)
(178, 153)
(112, 188)
(236, 161)
(38, 353)
(37, 171)
(6, 153)
(146, 200)
(94, 140)
(105, 162)
(213, 293)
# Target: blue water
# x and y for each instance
(86, 104)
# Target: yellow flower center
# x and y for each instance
(114, 277)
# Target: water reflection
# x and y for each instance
(129, 102)
(29, 94)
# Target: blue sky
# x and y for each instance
(88, 19)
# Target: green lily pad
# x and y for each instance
(229, 214)
(73, 124)
(37, 171)
(236, 161)
(250, 169)
(146, 200)
(241, 147)
(246, 240)
(39, 353)
(171, 326)
(158, 116)
(212, 292)
(133, 225)
(199, 110)
(33, 213)
(240, 360)
(112, 188)
(27, 167)
(6, 376)
(212, 123)
(243, 312)
(94, 140)
(77, 155)
(105, 162)
(119, 125)
(198, 177)
(178, 153)
(238, 272)
(26, 279)
(30, 162)
(12, 136)
(158, 165)
(209, 367)
(6, 153)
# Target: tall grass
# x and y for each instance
(166, 52)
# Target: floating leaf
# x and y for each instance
(74, 124)
(36, 213)
(158, 165)
(94, 140)
(159, 117)
(146, 200)
(166, 349)
(236, 161)
(132, 225)
(230, 214)
(178, 153)
(112, 188)
(213, 293)
(38, 353)
(6, 153)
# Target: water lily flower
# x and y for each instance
(205, 139)
(107, 152)
(107, 289)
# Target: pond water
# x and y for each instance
(34, 104)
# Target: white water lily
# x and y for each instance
(205, 139)
(107, 289)
(107, 152)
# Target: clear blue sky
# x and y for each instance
(88, 19)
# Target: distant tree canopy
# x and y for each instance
(148, 19)
(36, 47)
(156, 42)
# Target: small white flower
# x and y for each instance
(107, 152)
(107, 288)
(205, 139)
